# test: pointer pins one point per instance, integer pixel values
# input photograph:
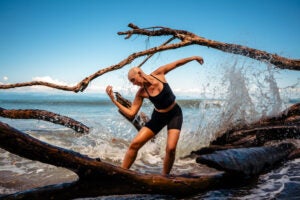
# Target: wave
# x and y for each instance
(43, 99)
(96, 99)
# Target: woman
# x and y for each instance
(166, 111)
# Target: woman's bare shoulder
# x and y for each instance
(159, 76)
(141, 93)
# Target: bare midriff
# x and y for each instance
(166, 109)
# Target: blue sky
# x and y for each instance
(66, 40)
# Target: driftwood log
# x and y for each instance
(45, 116)
(139, 120)
(286, 125)
(228, 152)
(77, 126)
(247, 162)
(95, 177)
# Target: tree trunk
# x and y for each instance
(95, 176)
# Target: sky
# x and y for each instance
(63, 41)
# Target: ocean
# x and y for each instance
(110, 135)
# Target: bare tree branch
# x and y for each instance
(186, 38)
(150, 55)
(46, 116)
(278, 61)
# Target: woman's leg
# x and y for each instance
(140, 139)
(173, 136)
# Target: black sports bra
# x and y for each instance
(164, 99)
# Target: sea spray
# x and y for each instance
(248, 91)
(252, 93)
(237, 108)
(266, 93)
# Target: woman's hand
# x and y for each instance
(110, 92)
(199, 60)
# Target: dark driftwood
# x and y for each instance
(286, 122)
(228, 151)
(294, 154)
(139, 120)
(45, 116)
(247, 161)
(95, 177)
(186, 38)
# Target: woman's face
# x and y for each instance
(136, 79)
(134, 76)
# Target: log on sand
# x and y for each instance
(95, 177)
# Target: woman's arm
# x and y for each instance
(168, 67)
(128, 112)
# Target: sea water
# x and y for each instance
(110, 134)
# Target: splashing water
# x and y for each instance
(246, 93)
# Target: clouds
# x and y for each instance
(5, 78)
(49, 80)
(92, 88)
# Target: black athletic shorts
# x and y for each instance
(173, 120)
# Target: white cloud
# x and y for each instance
(5, 78)
(49, 80)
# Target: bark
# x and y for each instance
(95, 176)
(259, 136)
(185, 39)
(295, 154)
(45, 116)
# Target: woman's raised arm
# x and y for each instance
(169, 67)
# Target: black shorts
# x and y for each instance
(173, 120)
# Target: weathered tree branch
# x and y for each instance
(186, 38)
(46, 116)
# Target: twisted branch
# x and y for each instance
(186, 38)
